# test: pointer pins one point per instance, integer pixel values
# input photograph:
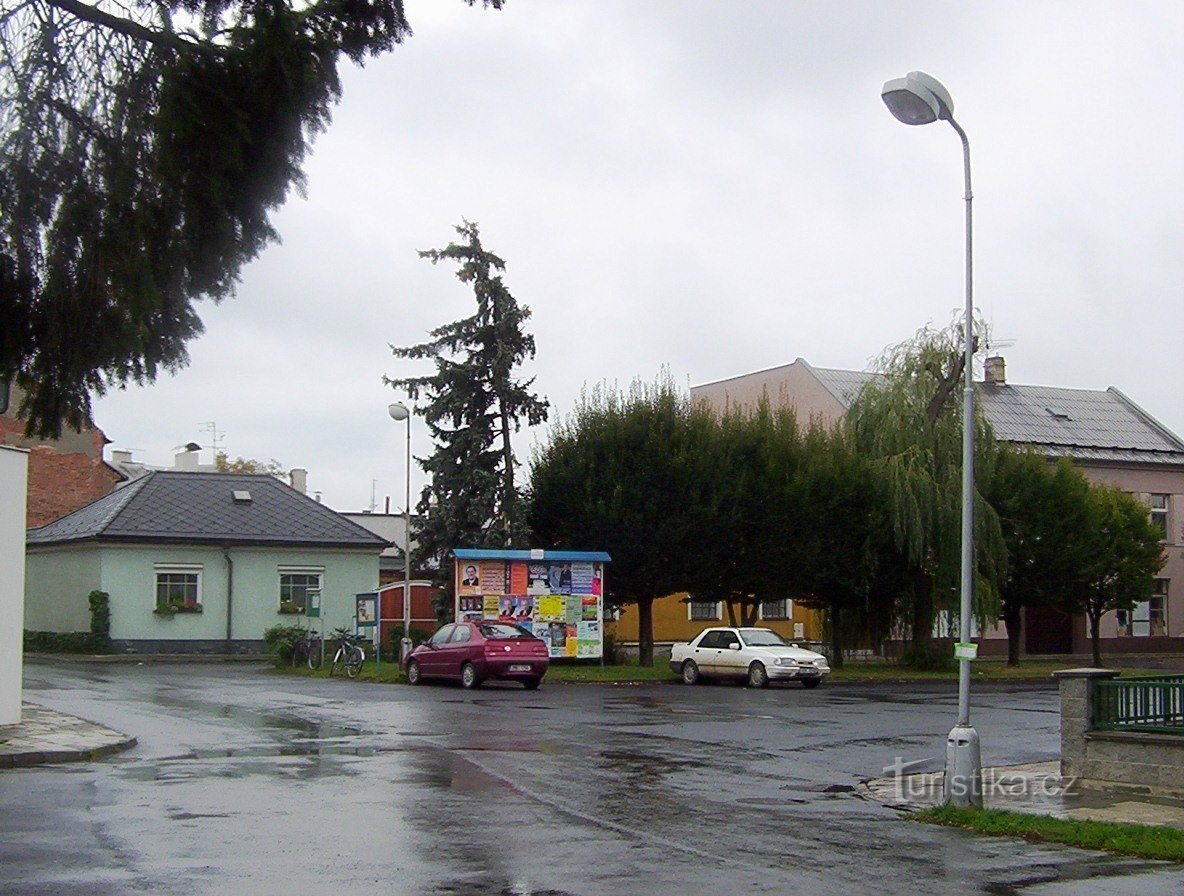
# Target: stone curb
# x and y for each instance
(65, 659)
(45, 736)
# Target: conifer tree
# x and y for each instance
(144, 145)
(472, 404)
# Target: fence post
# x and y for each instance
(1076, 715)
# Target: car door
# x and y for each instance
(431, 660)
(458, 649)
(706, 653)
(732, 660)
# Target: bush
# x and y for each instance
(100, 618)
(931, 658)
(281, 640)
(390, 650)
(66, 642)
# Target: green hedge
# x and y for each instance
(66, 642)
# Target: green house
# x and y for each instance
(198, 563)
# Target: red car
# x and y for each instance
(475, 651)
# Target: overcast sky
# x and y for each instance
(714, 188)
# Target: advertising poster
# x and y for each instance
(560, 602)
(493, 576)
(367, 610)
(518, 579)
(536, 579)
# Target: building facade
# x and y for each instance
(1106, 435)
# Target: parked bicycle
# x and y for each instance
(309, 650)
(350, 654)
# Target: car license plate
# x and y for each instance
(808, 672)
(519, 667)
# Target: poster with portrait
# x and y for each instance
(559, 601)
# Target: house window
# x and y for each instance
(295, 586)
(1146, 618)
(178, 587)
(777, 609)
(703, 610)
(1159, 514)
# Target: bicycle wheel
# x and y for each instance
(338, 661)
(315, 657)
(353, 662)
(298, 651)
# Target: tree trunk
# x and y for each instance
(1095, 642)
(750, 609)
(836, 639)
(1013, 619)
(731, 612)
(645, 631)
(922, 622)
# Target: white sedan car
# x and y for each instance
(757, 655)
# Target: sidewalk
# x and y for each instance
(1035, 788)
(45, 736)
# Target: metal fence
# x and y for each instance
(1149, 703)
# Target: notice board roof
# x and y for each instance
(571, 556)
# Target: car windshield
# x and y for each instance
(762, 637)
(499, 630)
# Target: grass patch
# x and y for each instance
(390, 673)
(1140, 840)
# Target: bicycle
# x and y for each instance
(309, 650)
(350, 654)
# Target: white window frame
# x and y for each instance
(281, 571)
(187, 569)
(788, 610)
(719, 610)
(1161, 516)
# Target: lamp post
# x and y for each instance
(916, 99)
(399, 411)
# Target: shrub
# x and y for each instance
(65, 642)
(100, 617)
(281, 640)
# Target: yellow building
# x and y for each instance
(677, 617)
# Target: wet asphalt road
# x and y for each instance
(248, 782)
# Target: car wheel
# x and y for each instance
(468, 677)
(531, 684)
(757, 676)
(413, 674)
(690, 672)
(811, 683)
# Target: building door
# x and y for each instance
(1048, 630)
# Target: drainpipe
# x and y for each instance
(229, 597)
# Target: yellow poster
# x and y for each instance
(551, 608)
(492, 605)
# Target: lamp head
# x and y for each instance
(918, 98)
(398, 411)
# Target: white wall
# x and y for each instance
(14, 484)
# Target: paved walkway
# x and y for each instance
(44, 736)
(1036, 788)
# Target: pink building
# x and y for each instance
(1106, 435)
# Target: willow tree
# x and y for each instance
(144, 145)
(473, 403)
(908, 422)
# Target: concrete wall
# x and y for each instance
(1113, 758)
(13, 488)
(128, 574)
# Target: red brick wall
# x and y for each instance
(64, 474)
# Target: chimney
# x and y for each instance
(299, 479)
(121, 456)
(995, 372)
(185, 460)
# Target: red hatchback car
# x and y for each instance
(475, 651)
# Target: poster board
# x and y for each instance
(366, 615)
(559, 598)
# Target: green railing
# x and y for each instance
(1150, 703)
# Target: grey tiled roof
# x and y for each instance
(1084, 424)
(201, 508)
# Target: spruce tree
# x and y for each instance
(472, 404)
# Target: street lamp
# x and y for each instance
(915, 99)
(399, 411)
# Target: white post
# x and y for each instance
(14, 485)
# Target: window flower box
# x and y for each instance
(290, 608)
